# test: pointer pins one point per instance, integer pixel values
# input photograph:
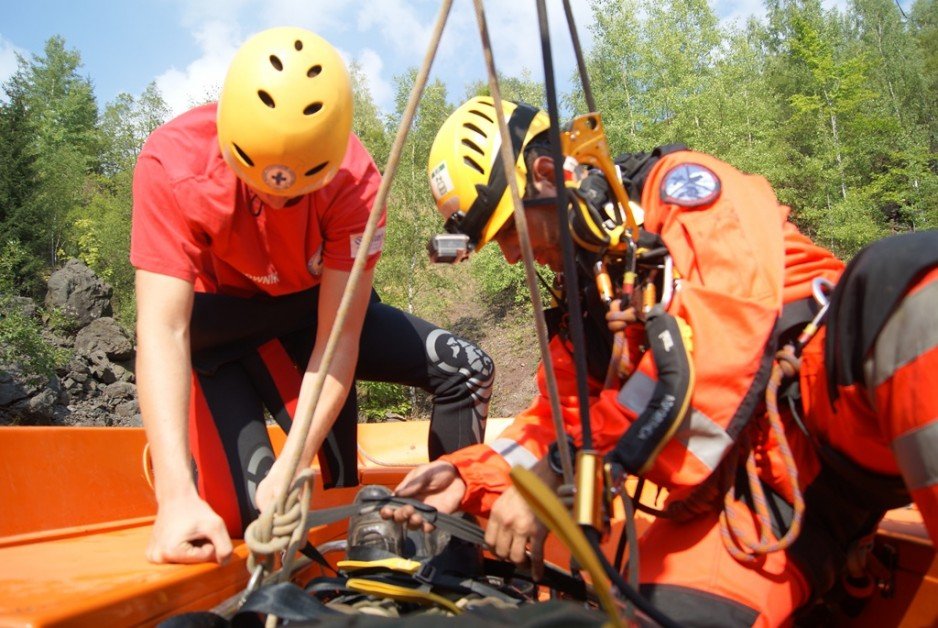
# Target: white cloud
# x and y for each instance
(406, 29)
(738, 12)
(379, 86)
(385, 38)
(325, 17)
(195, 13)
(201, 80)
(401, 30)
(8, 62)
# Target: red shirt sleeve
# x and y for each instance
(161, 241)
(346, 206)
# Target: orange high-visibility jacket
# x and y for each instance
(738, 259)
(887, 422)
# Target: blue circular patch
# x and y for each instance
(690, 185)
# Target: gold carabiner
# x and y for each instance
(586, 143)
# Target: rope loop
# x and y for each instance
(285, 531)
(740, 543)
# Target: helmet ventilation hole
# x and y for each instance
(243, 155)
(473, 146)
(482, 115)
(298, 44)
(316, 169)
(472, 164)
(472, 127)
(314, 71)
(312, 108)
(275, 61)
(266, 98)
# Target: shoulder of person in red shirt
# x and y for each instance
(185, 195)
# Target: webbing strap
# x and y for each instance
(286, 601)
(455, 526)
(458, 527)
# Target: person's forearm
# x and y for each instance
(341, 370)
(163, 381)
(335, 389)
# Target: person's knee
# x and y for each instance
(460, 363)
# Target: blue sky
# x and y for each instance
(185, 45)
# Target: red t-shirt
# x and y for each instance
(195, 220)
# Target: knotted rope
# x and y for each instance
(274, 531)
(284, 532)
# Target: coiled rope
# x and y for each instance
(734, 526)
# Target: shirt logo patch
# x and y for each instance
(279, 177)
(377, 242)
(690, 185)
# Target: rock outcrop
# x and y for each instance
(96, 386)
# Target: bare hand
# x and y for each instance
(268, 489)
(513, 529)
(187, 530)
(437, 484)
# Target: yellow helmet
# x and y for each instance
(467, 177)
(285, 112)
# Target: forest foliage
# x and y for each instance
(836, 108)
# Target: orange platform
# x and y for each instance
(76, 512)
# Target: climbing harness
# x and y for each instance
(394, 572)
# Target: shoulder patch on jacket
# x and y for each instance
(690, 185)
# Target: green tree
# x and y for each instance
(368, 123)
(125, 125)
(743, 117)
(412, 219)
(821, 79)
(62, 112)
(896, 152)
(924, 24)
(521, 88)
(652, 68)
(402, 278)
(101, 227)
(21, 340)
(617, 72)
(17, 189)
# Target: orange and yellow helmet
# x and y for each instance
(285, 112)
(467, 177)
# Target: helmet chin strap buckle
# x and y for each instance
(449, 248)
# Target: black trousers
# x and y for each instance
(249, 355)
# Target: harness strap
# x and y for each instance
(455, 526)
(286, 601)
(638, 448)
